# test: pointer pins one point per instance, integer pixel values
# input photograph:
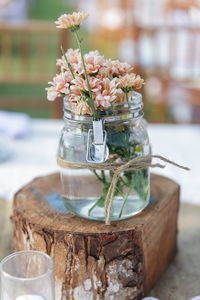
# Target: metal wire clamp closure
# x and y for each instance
(97, 149)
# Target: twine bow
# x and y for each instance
(137, 163)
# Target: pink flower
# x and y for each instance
(93, 62)
(121, 96)
(52, 94)
(75, 94)
(78, 105)
(116, 68)
(73, 57)
(130, 81)
(82, 108)
(104, 73)
(81, 84)
(108, 94)
(71, 21)
(60, 85)
(139, 82)
(61, 81)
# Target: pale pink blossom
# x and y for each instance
(121, 96)
(81, 84)
(75, 95)
(59, 86)
(61, 82)
(70, 21)
(104, 73)
(108, 94)
(93, 62)
(77, 104)
(116, 68)
(73, 57)
(130, 81)
(82, 108)
(139, 82)
(52, 94)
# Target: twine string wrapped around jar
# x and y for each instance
(137, 163)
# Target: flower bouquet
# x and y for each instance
(104, 129)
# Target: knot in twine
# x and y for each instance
(137, 163)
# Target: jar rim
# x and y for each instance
(133, 109)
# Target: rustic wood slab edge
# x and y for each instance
(129, 256)
(44, 194)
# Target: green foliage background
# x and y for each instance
(49, 9)
(43, 10)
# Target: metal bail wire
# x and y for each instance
(97, 150)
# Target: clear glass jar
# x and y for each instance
(84, 190)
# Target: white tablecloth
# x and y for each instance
(36, 155)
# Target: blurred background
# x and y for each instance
(160, 38)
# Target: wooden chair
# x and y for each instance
(27, 57)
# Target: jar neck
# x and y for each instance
(131, 110)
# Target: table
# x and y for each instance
(36, 155)
(181, 281)
(6, 228)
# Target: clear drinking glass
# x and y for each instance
(27, 275)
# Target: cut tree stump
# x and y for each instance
(122, 261)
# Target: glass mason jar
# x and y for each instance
(124, 138)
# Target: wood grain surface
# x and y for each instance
(40, 202)
(92, 260)
(180, 281)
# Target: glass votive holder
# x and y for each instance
(150, 298)
(27, 275)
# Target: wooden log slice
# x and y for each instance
(122, 261)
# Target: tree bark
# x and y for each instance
(92, 260)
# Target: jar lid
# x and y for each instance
(133, 109)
